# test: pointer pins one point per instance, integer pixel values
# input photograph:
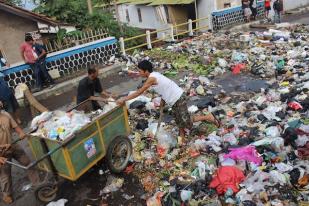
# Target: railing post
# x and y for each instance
(190, 28)
(172, 33)
(123, 51)
(210, 23)
(148, 39)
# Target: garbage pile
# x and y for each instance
(260, 154)
(60, 125)
(213, 54)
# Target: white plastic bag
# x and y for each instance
(60, 202)
(272, 132)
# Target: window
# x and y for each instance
(227, 5)
(167, 14)
(127, 15)
(139, 13)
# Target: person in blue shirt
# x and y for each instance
(8, 99)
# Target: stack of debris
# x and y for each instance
(259, 156)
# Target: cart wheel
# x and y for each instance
(46, 193)
(118, 154)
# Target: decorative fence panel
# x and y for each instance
(230, 16)
(65, 62)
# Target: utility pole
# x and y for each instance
(89, 2)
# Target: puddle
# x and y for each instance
(239, 83)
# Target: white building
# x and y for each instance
(159, 14)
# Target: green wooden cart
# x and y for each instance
(106, 136)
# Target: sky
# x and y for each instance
(29, 5)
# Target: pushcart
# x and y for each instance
(106, 136)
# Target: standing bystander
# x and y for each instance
(41, 52)
(247, 11)
(278, 8)
(7, 123)
(267, 8)
(8, 99)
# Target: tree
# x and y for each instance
(76, 12)
(15, 2)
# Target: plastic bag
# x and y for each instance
(152, 129)
(60, 202)
(257, 182)
(201, 169)
(260, 100)
(237, 68)
(200, 90)
(108, 107)
(301, 140)
(247, 153)
(222, 62)
(295, 105)
(277, 177)
(192, 109)
(230, 138)
(185, 195)
(282, 167)
(165, 142)
(139, 98)
(155, 200)
(45, 116)
(204, 80)
(270, 112)
(114, 185)
(272, 132)
(239, 57)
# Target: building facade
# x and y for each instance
(15, 22)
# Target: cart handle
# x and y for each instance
(96, 98)
(32, 164)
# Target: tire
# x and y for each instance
(46, 193)
(125, 155)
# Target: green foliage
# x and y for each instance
(15, 2)
(76, 12)
(181, 61)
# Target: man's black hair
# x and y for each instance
(145, 65)
(92, 69)
(28, 38)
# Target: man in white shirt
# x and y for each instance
(171, 94)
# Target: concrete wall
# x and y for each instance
(289, 4)
(12, 34)
(150, 20)
(66, 62)
(220, 3)
(204, 9)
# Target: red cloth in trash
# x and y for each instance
(304, 151)
(295, 105)
(236, 69)
(227, 177)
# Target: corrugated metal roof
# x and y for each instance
(170, 2)
(155, 2)
(124, 1)
(141, 2)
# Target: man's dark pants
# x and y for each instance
(39, 71)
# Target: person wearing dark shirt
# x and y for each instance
(8, 99)
(90, 85)
(278, 8)
(40, 50)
